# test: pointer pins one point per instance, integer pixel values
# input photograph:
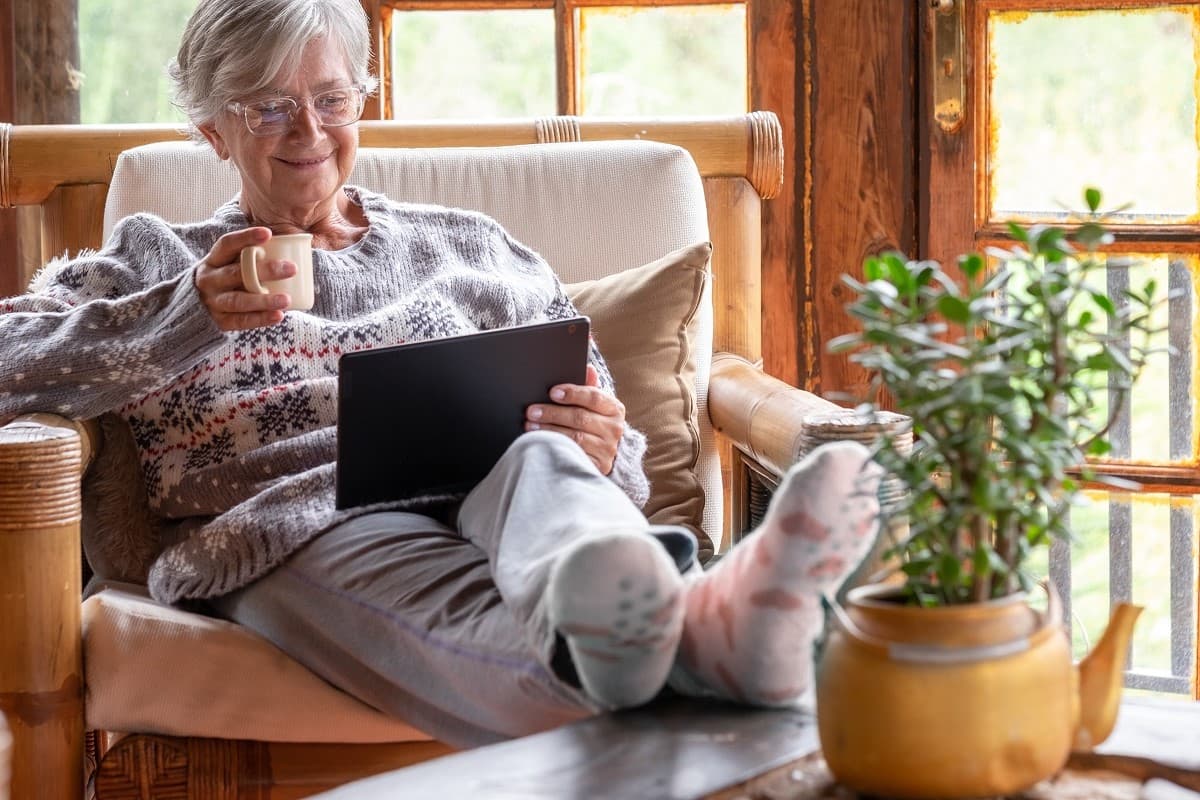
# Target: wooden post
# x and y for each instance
(778, 64)
(41, 670)
(71, 220)
(10, 252)
(39, 84)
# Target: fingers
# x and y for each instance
(219, 283)
(587, 414)
(228, 249)
(601, 450)
(591, 397)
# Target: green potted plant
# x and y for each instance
(949, 683)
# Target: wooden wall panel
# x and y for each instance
(863, 156)
(777, 47)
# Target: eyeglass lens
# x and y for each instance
(334, 108)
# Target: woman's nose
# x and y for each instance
(307, 124)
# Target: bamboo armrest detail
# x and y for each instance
(761, 414)
(34, 424)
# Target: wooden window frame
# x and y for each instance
(566, 33)
(954, 217)
(950, 185)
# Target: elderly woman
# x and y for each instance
(543, 594)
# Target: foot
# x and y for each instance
(750, 622)
(618, 602)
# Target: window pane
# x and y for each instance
(1157, 424)
(124, 48)
(1102, 98)
(671, 60)
(473, 64)
(1138, 548)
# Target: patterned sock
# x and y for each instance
(751, 620)
(617, 600)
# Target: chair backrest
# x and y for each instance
(591, 209)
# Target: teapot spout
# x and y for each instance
(1100, 678)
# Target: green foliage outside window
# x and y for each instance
(124, 48)
(664, 61)
(473, 64)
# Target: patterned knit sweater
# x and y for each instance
(236, 431)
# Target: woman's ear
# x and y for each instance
(215, 139)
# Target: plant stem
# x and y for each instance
(982, 584)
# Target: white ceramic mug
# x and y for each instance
(294, 247)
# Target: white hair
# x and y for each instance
(235, 48)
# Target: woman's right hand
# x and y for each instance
(219, 282)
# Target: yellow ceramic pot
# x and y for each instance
(952, 702)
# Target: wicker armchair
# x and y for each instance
(711, 185)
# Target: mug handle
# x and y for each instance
(250, 256)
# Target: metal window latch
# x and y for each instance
(949, 67)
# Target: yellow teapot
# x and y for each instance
(960, 701)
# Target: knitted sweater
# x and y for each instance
(236, 431)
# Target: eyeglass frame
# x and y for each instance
(241, 109)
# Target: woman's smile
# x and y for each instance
(308, 163)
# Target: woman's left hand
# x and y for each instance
(588, 414)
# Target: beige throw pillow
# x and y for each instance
(645, 322)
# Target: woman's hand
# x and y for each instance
(219, 281)
(588, 414)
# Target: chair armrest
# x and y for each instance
(88, 430)
(760, 414)
(775, 423)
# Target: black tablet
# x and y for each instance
(433, 417)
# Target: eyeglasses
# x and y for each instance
(335, 108)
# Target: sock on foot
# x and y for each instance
(617, 600)
(750, 621)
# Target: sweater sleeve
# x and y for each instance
(99, 330)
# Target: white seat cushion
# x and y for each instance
(152, 668)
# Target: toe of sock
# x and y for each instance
(617, 600)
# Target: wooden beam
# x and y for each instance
(777, 61)
(377, 103)
(43, 157)
(47, 62)
(40, 75)
(863, 150)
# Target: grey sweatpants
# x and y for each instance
(448, 629)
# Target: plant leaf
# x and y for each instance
(954, 309)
